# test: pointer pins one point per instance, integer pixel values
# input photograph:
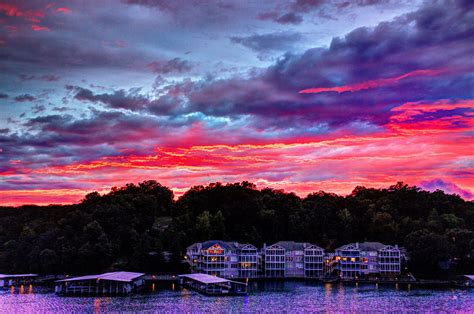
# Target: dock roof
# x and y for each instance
(123, 276)
(2, 276)
(204, 278)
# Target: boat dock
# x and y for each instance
(212, 285)
(7, 280)
(115, 283)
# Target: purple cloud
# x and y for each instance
(448, 187)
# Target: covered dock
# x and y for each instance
(8, 280)
(469, 280)
(212, 285)
(114, 283)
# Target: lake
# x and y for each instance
(263, 297)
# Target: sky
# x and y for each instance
(301, 95)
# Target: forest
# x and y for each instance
(142, 226)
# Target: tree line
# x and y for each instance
(142, 227)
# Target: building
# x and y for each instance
(368, 259)
(114, 283)
(223, 259)
(289, 259)
(390, 258)
(313, 261)
(248, 261)
(8, 280)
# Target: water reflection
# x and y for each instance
(263, 297)
(97, 302)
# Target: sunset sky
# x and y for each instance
(300, 95)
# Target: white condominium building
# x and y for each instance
(286, 259)
(367, 258)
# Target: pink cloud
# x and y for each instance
(64, 10)
(38, 28)
(371, 84)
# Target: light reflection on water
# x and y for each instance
(263, 297)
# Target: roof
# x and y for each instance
(371, 246)
(292, 245)
(207, 244)
(2, 276)
(314, 247)
(223, 244)
(123, 276)
(363, 246)
(204, 278)
(247, 246)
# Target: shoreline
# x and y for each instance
(49, 281)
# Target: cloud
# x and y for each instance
(38, 28)
(281, 41)
(64, 10)
(245, 125)
(401, 58)
(176, 65)
(45, 77)
(287, 18)
(25, 98)
(122, 99)
(448, 187)
(370, 84)
(3, 96)
(38, 108)
(386, 66)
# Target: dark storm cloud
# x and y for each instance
(119, 99)
(122, 99)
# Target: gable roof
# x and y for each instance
(123, 276)
(314, 247)
(371, 246)
(222, 244)
(292, 245)
(3, 276)
(247, 246)
(204, 278)
(364, 246)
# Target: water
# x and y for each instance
(263, 297)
